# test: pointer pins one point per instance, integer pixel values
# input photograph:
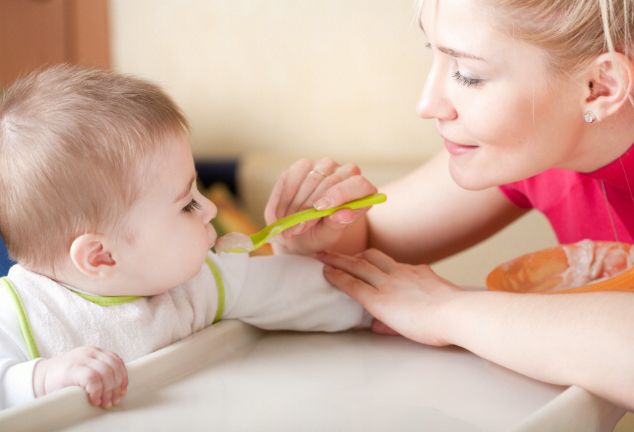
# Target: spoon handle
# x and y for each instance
(282, 224)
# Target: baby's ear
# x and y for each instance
(91, 256)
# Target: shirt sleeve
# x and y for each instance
(16, 381)
(289, 292)
(16, 370)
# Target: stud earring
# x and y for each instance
(589, 117)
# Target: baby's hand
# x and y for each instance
(101, 373)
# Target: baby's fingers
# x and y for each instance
(114, 376)
(104, 377)
(91, 381)
(121, 386)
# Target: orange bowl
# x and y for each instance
(570, 268)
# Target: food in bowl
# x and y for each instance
(578, 267)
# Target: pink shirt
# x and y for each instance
(575, 203)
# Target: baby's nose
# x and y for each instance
(210, 211)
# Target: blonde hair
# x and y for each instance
(73, 142)
(573, 32)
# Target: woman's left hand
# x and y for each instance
(407, 298)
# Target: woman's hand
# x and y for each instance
(321, 184)
(408, 299)
(101, 373)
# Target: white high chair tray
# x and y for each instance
(232, 377)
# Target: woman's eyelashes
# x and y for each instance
(465, 80)
(191, 206)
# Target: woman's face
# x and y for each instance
(502, 114)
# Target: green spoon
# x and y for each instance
(239, 242)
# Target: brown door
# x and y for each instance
(36, 33)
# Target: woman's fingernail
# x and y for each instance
(108, 405)
(116, 401)
(322, 204)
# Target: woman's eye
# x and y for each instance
(191, 206)
(466, 81)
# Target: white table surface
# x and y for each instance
(231, 377)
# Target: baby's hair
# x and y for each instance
(75, 145)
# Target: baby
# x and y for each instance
(100, 209)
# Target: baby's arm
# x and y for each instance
(101, 373)
(289, 292)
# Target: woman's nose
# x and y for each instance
(434, 102)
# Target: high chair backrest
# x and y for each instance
(5, 262)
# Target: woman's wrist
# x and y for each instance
(455, 317)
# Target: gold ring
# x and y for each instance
(316, 171)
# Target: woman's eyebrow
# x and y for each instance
(459, 54)
(449, 51)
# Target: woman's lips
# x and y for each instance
(457, 149)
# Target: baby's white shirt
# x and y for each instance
(277, 292)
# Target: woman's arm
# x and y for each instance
(429, 217)
(582, 339)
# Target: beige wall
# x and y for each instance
(310, 78)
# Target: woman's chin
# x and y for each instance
(469, 180)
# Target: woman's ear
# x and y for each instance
(609, 85)
(91, 256)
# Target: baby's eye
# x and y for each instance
(191, 206)
(466, 81)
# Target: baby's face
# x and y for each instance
(168, 230)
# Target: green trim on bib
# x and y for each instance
(105, 301)
(23, 318)
(220, 287)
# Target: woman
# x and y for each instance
(534, 102)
